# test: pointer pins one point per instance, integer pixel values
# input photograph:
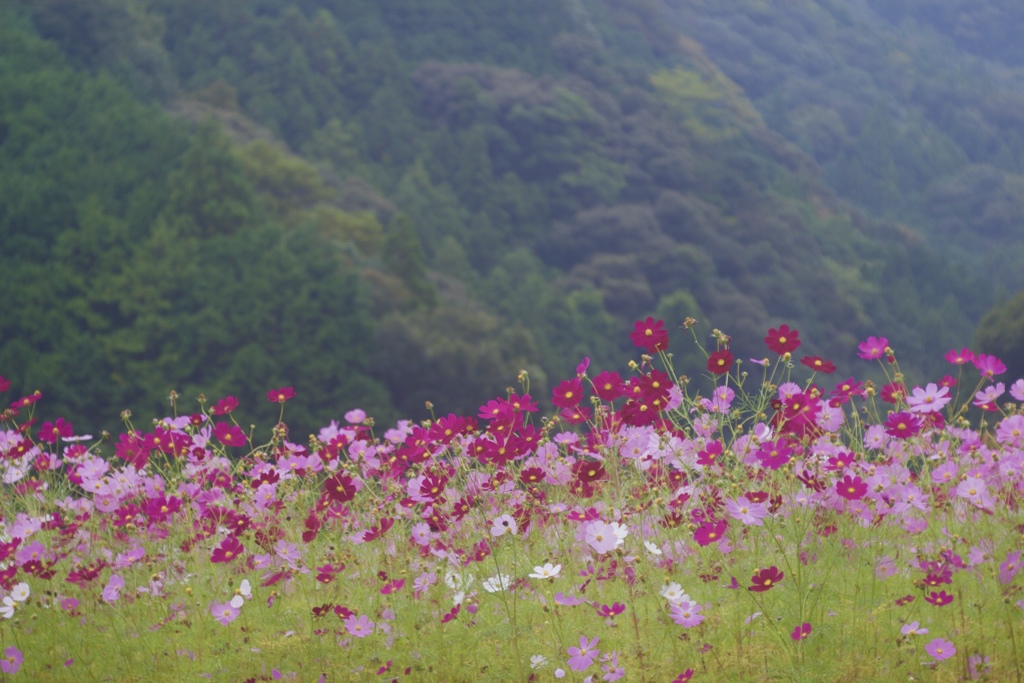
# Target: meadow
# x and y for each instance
(783, 526)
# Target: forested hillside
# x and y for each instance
(384, 202)
(914, 109)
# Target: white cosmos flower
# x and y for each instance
(7, 610)
(537, 661)
(20, 592)
(455, 580)
(245, 590)
(652, 547)
(237, 602)
(498, 583)
(673, 592)
(548, 571)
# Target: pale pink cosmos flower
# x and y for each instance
(583, 656)
(974, 490)
(931, 399)
(1010, 431)
(913, 629)
(686, 614)
(940, 649)
(989, 394)
(745, 511)
(112, 591)
(224, 612)
(604, 537)
(359, 626)
(504, 524)
(1017, 390)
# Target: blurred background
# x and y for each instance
(384, 202)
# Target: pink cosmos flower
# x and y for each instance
(960, 357)
(504, 524)
(989, 366)
(583, 656)
(224, 612)
(873, 348)
(11, 661)
(975, 490)
(112, 591)
(603, 537)
(1017, 390)
(745, 511)
(989, 394)
(913, 629)
(940, 649)
(931, 399)
(885, 567)
(568, 600)
(1009, 568)
(359, 626)
(289, 552)
(1011, 431)
(686, 614)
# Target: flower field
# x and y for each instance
(780, 526)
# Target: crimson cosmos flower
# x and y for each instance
(765, 579)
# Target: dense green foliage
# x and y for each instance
(137, 262)
(1001, 333)
(912, 108)
(412, 201)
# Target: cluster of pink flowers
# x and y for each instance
(456, 490)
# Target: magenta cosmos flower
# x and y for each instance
(583, 656)
(903, 425)
(650, 334)
(229, 549)
(280, 395)
(783, 340)
(710, 532)
(873, 347)
(851, 488)
(720, 362)
(989, 366)
(801, 631)
(766, 579)
(568, 393)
